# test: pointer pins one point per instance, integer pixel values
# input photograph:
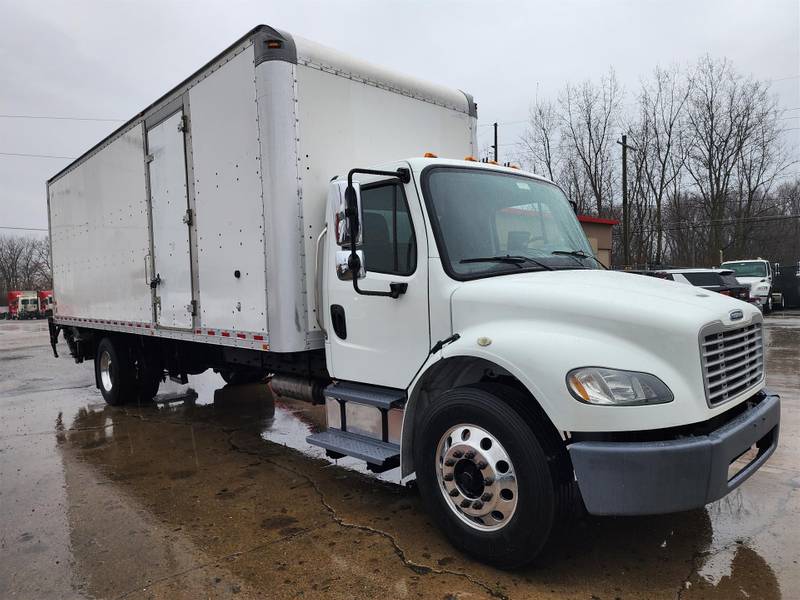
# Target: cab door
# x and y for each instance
(171, 219)
(378, 339)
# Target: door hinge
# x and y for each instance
(192, 307)
(184, 124)
(149, 158)
(187, 216)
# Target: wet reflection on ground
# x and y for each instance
(219, 495)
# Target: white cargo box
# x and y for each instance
(198, 218)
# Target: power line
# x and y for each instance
(35, 155)
(54, 118)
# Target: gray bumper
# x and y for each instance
(646, 478)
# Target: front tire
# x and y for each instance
(484, 474)
(115, 373)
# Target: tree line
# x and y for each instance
(709, 174)
(24, 264)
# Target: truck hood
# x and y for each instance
(601, 298)
(539, 326)
(750, 281)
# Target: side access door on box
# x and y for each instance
(171, 222)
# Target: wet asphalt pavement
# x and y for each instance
(220, 496)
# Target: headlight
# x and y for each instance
(612, 387)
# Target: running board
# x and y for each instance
(379, 456)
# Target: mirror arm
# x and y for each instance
(351, 212)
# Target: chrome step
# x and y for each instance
(379, 456)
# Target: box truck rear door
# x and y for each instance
(169, 209)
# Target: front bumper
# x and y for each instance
(656, 477)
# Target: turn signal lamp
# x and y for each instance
(471, 158)
(492, 162)
(430, 155)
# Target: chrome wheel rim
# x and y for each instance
(106, 371)
(476, 477)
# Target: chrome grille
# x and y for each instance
(733, 361)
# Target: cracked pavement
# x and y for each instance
(220, 496)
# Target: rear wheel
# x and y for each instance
(114, 370)
(484, 472)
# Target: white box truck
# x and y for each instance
(264, 218)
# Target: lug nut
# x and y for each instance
(486, 496)
(477, 504)
(488, 481)
(469, 455)
(482, 465)
(466, 503)
(454, 492)
(449, 462)
(458, 454)
(448, 477)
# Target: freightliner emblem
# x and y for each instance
(736, 315)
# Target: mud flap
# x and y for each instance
(55, 330)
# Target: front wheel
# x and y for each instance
(484, 475)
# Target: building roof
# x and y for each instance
(598, 220)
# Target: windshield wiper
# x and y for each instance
(509, 259)
(578, 254)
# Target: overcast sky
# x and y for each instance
(108, 60)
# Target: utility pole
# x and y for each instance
(626, 251)
(495, 143)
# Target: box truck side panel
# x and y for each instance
(344, 123)
(228, 198)
(100, 234)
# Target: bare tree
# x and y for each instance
(724, 112)
(662, 101)
(24, 264)
(589, 114)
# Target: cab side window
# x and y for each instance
(388, 235)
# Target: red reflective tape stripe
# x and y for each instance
(241, 336)
(258, 338)
(211, 332)
(226, 334)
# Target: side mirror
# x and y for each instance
(346, 202)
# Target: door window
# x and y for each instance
(388, 235)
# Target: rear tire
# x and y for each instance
(115, 373)
(521, 499)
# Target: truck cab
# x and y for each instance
(28, 306)
(759, 276)
(466, 317)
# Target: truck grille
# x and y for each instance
(733, 361)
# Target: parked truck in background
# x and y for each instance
(23, 305)
(758, 274)
(13, 303)
(272, 216)
(45, 303)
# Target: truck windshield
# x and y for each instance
(747, 269)
(492, 223)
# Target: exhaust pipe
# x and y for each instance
(299, 388)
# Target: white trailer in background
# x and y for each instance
(239, 223)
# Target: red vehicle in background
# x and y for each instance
(45, 303)
(13, 304)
